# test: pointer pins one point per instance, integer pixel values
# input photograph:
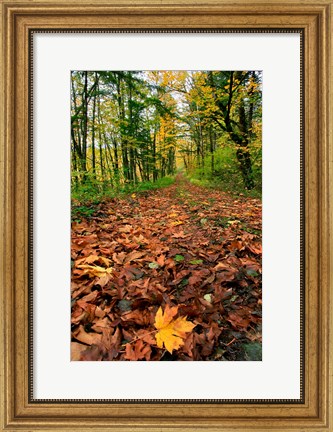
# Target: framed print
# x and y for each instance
(166, 216)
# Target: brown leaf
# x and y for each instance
(161, 260)
(146, 336)
(119, 257)
(256, 248)
(180, 276)
(88, 338)
(210, 279)
(125, 229)
(137, 351)
(237, 321)
(103, 280)
(236, 245)
(100, 324)
(133, 256)
(77, 350)
(138, 317)
(180, 234)
(111, 339)
(90, 297)
(222, 266)
(88, 308)
(78, 315)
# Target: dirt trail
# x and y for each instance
(184, 245)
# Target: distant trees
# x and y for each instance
(123, 127)
(225, 105)
(128, 127)
(236, 96)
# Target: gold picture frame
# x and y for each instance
(19, 19)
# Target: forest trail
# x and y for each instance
(185, 246)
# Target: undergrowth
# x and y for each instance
(86, 197)
(226, 187)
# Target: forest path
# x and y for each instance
(183, 245)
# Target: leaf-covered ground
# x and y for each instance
(186, 249)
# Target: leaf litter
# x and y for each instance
(146, 288)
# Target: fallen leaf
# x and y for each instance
(138, 317)
(176, 223)
(180, 234)
(119, 257)
(208, 297)
(133, 256)
(111, 339)
(88, 338)
(238, 321)
(76, 351)
(104, 280)
(161, 260)
(137, 351)
(196, 262)
(93, 270)
(125, 229)
(171, 333)
(256, 248)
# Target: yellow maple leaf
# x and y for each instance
(94, 270)
(176, 223)
(171, 332)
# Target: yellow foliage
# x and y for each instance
(94, 270)
(176, 223)
(171, 333)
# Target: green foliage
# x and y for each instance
(82, 211)
(256, 158)
(196, 262)
(227, 175)
(87, 195)
(128, 127)
(148, 185)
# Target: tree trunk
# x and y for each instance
(123, 140)
(154, 158)
(243, 153)
(85, 126)
(93, 131)
(100, 141)
(240, 139)
(212, 149)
